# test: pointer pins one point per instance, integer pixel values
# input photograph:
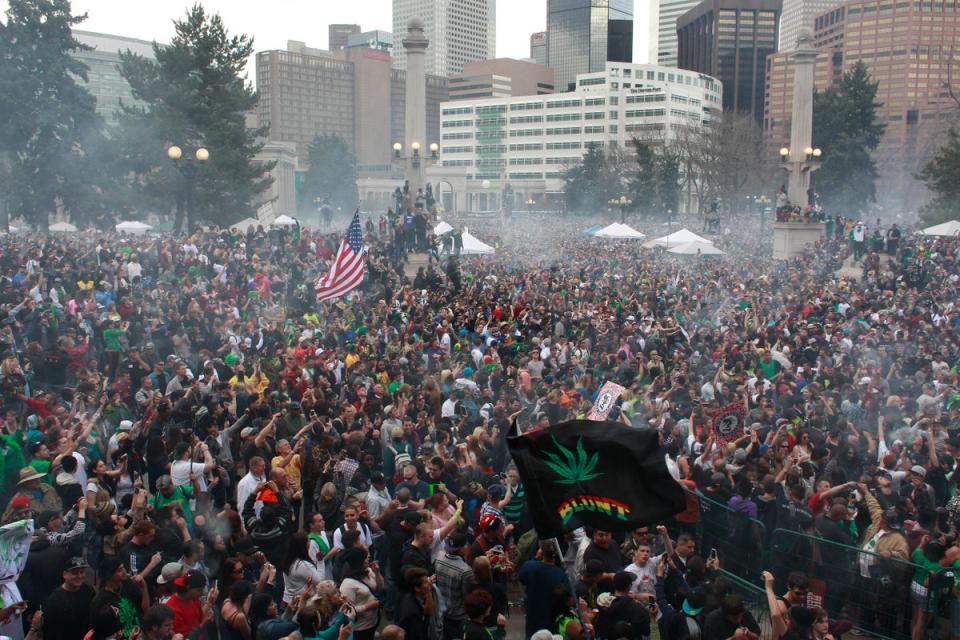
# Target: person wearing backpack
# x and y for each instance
(355, 519)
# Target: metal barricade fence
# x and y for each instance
(755, 600)
(738, 539)
(872, 592)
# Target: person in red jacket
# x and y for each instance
(189, 611)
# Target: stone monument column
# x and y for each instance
(415, 109)
(801, 123)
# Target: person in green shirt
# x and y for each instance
(40, 460)
(168, 494)
(112, 346)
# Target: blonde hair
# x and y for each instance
(328, 491)
(482, 569)
(323, 601)
(8, 364)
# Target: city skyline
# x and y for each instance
(307, 21)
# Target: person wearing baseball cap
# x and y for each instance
(66, 611)
(189, 611)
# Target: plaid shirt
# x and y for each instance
(454, 580)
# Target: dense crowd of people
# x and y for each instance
(205, 452)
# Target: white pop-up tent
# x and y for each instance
(62, 227)
(442, 228)
(619, 231)
(696, 249)
(283, 221)
(683, 236)
(474, 246)
(950, 228)
(134, 227)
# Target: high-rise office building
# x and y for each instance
(531, 141)
(353, 93)
(730, 40)
(501, 77)
(908, 57)
(380, 40)
(797, 14)
(538, 47)
(104, 81)
(338, 34)
(582, 35)
(664, 15)
(459, 31)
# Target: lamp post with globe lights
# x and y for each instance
(188, 165)
(414, 162)
(623, 202)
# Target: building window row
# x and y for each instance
(457, 111)
(457, 149)
(525, 119)
(494, 108)
(593, 129)
(523, 133)
(563, 117)
(457, 163)
(453, 124)
(468, 135)
(594, 115)
(646, 113)
(530, 146)
(593, 102)
(523, 161)
(649, 97)
(526, 175)
(561, 104)
(524, 106)
(563, 131)
(557, 146)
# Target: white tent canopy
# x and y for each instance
(683, 236)
(133, 226)
(696, 249)
(283, 221)
(619, 231)
(442, 228)
(950, 228)
(474, 246)
(62, 227)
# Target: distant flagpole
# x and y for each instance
(346, 272)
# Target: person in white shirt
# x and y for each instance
(645, 569)
(351, 522)
(320, 547)
(249, 482)
(183, 467)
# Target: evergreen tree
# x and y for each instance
(47, 115)
(195, 95)
(331, 173)
(668, 183)
(846, 129)
(942, 177)
(643, 183)
(593, 181)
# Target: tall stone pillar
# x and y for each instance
(801, 123)
(415, 114)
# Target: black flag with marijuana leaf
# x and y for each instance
(602, 474)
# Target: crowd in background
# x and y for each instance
(206, 452)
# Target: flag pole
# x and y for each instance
(573, 591)
(515, 429)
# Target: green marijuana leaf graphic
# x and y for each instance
(572, 469)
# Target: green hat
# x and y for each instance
(231, 359)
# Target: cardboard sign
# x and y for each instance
(606, 400)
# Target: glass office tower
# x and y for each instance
(582, 35)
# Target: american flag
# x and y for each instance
(348, 267)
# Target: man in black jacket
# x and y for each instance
(624, 608)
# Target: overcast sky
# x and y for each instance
(274, 22)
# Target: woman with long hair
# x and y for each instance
(101, 487)
(359, 583)
(299, 573)
(326, 616)
(496, 616)
(233, 621)
(265, 624)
